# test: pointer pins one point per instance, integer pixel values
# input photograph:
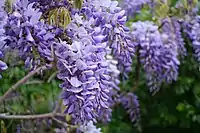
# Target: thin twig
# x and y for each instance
(22, 81)
(34, 82)
(28, 117)
(57, 106)
(52, 77)
(63, 123)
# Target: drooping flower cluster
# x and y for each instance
(131, 104)
(90, 128)
(3, 17)
(158, 59)
(28, 35)
(133, 6)
(111, 20)
(171, 33)
(194, 34)
(82, 64)
(97, 48)
(83, 68)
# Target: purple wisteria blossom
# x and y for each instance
(130, 102)
(83, 68)
(28, 35)
(171, 30)
(133, 6)
(111, 20)
(88, 86)
(159, 60)
(3, 18)
(90, 128)
(192, 30)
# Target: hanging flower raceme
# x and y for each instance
(32, 38)
(111, 19)
(91, 35)
(192, 30)
(133, 6)
(171, 31)
(89, 128)
(130, 102)
(83, 68)
(159, 61)
(3, 19)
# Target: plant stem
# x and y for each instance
(22, 81)
(26, 117)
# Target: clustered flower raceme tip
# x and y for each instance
(192, 30)
(159, 61)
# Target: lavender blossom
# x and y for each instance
(111, 19)
(89, 128)
(159, 60)
(131, 104)
(88, 86)
(192, 31)
(133, 6)
(171, 29)
(3, 18)
(32, 38)
(62, 130)
(83, 68)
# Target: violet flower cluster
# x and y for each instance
(28, 35)
(133, 6)
(171, 32)
(98, 48)
(111, 19)
(159, 61)
(130, 102)
(83, 68)
(3, 18)
(90, 128)
(192, 30)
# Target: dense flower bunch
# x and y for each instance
(90, 128)
(83, 67)
(3, 18)
(156, 55)
(133, 6)
(91, 46)
(131, 104)
(28, 35)
(172, 28)
(192, 31)
(111, 20)
(92, 79)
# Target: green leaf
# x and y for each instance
(78, 4)
(17, 108)
(196, 118)
(59, 17)
(180, 107)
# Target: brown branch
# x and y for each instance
(22, 81)
(63, 123)
(26, 117)
(39, 116)
(34, 82)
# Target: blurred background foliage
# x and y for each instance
(175, 108)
